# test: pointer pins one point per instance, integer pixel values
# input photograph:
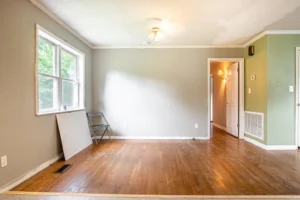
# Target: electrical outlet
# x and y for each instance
(196, 125)
(3, 161)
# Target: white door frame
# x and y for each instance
(241, 93)
(297, 108)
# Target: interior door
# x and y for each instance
(232, 105)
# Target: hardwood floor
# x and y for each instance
(223, 165)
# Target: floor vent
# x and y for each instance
(63, 169)
(254, 124)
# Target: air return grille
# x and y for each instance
(254, 124)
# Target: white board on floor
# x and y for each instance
(74, 132)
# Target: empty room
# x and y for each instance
(149, 99)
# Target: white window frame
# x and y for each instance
(80, 69)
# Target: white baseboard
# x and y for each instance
(219, 126)
(202, 138)
(151, 138)
(256, 143)
(29, 174)
(271, 147)
(281, 147)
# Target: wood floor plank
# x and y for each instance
(223, 165)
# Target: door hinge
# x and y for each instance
(238, 125)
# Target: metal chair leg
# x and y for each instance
(109, 133)
(104, 133)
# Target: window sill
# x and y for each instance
(58, 112)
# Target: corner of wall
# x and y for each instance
(256, 65)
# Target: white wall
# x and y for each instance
(154, 92)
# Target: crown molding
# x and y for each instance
(64, 25)
(271, 32)
(258, 36)
(60, 22)
(170, 47)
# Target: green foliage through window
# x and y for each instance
(46, 57)
(68, 65)
(48, 86)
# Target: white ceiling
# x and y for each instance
(115, 23)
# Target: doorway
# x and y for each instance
(211, 86)
(226, 95)
(297, 118)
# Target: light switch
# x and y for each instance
(249, 90)
(3, 161)
(291, 88)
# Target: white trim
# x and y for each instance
(256, 143)
(271, 147)
(60, 45)
(55, 40)
(151, 138)
(281, 147)
(263, 139)
(219, 126)
(53, 112)
(241, 99)
(241, 92)
(67, 27)
(29, 174)
(258, 36)
(170, 47)
(282, 32)
(271, 32)
(60, 22)
(202, 138)
(297, 98)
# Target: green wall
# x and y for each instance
(257, 65)
(274, 65)
(281, 74)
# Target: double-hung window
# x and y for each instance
(59, 73)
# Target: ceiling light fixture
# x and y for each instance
(222, 75)
(155, 35)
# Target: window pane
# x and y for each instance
(47, 93)
(68, 65)
(46, 57)
(69, 94)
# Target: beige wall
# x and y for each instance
(155, 92)
(26, 139)
(219, 92)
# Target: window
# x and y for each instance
(60, 72)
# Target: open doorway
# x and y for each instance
(297, 118)
(226, 95)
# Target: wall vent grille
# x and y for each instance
(254, 124)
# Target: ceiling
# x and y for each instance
(117, 23)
